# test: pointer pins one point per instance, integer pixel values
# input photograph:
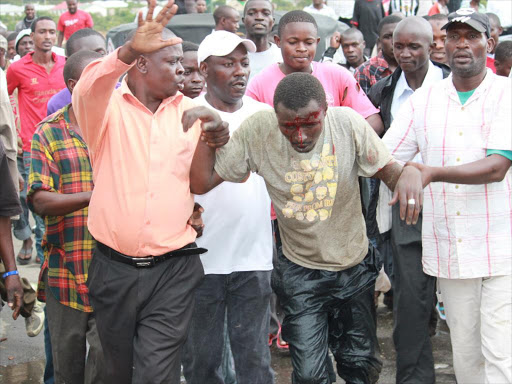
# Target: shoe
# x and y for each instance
(271, 338)
(440, 310)
(35, 322)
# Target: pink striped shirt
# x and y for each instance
(467, 229)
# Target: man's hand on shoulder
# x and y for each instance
(215, 132)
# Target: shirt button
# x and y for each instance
(458, 158)
(460, 133)
(458, 213)
(148, 222)
(460, 240)
(456, 187)
(462, 109)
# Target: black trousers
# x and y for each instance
(329, 310)
(143, 316)
(413, 301)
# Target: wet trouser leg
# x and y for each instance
(329, 309)
(412, 305)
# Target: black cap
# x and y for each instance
(476, 20)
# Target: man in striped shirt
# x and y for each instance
(461, 126)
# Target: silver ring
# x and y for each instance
(411, 202)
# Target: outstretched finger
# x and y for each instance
(167, 13)
(171, 41)
(140, 19)
(151, 9)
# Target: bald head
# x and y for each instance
(353, 34)
(415, 26)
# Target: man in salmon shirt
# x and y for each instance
(146, 265)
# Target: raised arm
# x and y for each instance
(98, 80)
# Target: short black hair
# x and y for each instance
(249, 1)
(391, 19)
(71, 44)
(295, 17)
(12, 36)
(34, 23)
(494, 17)
(222, 11)
(297, 89)
(76, 63)
(438, 17)
(189, 46)
(503, 51)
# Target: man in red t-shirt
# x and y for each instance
(37, 76)
(72, 20)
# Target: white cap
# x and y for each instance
(221, 43)
(21, 35)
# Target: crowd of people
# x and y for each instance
(196, 203)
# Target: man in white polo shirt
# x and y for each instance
(237, 234)
(461, 126)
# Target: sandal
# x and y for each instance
(280, 343)
(24, 260)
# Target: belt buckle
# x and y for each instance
(144, 262)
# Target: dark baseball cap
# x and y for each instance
(476, 20)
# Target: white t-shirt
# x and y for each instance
(261, 60)
(237, 232)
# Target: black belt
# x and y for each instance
(149, 261)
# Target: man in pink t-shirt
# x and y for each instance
(72, 20)
(298, 38)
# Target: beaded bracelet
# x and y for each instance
(10, 273)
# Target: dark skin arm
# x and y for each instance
(12, 282)
(376, 123)
(215, 134)
(406, 183)
(60, 39)
(489, 170)
(59, 204)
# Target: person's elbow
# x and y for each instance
(499, 171)
(38, 203)
(376, 123)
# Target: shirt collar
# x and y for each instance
(482, 88)
(31, 60)
(433, 75)
(127, 94)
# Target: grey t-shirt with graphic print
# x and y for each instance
(315, 194)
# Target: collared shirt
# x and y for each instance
(35, 87)
(141, 163)
(401, 94)
(60, 164)
(372, 71)
(466, 228)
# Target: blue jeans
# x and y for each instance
(48, 369)
(22, 229)
(246, 297)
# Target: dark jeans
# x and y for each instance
(413, 301)
(70, 329)
(143, 316)
(22, 230)
(246, 297)
(335, 310)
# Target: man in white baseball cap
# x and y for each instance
(238, 236)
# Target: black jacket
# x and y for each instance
(381, 93)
